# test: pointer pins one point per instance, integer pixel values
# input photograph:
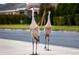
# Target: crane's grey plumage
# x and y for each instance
(48, 30)
(35, 31)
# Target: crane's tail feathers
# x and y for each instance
(37, 38)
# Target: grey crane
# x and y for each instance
(35, 31)
(47, 31)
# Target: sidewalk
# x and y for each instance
(11, 47)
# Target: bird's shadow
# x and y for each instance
(34, 54)
(47, 49)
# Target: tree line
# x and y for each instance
(62, 14)
(14, 19)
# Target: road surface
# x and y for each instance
(18, 42)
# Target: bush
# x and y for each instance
(77, 19)
(58, 20)
(69, 20)
(13, 19)
(66, 20)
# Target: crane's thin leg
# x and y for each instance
(45, 41)
(33, 46)
(48, 43)
(36, 48)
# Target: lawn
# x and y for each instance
(14, 26)
(55, 28)
(66, 28)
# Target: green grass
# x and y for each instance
(66, 28)
(55, 28)
(14, 26)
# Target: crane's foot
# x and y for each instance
(48, 50)
(45, 47)
(36, 54)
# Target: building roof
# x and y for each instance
(1, 5)
(12, 6)
(9, 7)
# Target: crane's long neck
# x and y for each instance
(49, 18)
(33, 23)
(33, 20)
(48, 22)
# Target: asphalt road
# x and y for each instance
(57, 39)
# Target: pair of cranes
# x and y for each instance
(35, 31)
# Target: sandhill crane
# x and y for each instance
(47, 30)
(35, 31)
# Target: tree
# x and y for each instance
(68, 11)
(43, 12)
